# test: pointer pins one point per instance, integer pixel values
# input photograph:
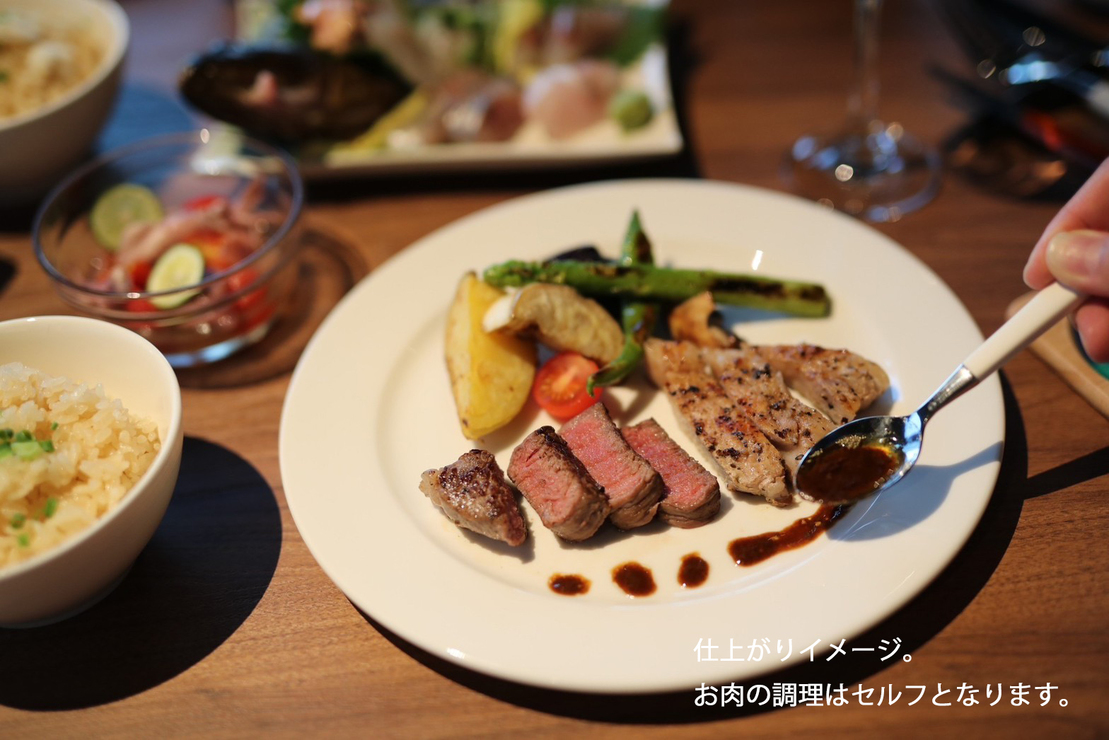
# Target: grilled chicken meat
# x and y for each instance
(665, 357)
(757, 380)
(473, 494)
(746, 458)
(839, 383)
(761, 391)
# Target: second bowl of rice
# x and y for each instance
(90, 446)
(60, 67)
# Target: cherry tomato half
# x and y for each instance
(560, 385)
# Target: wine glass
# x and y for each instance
(867, 168)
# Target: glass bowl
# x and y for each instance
(235, 301)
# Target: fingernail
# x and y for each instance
(1076, 256)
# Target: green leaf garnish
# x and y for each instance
(23, 445)
(50, 508)
(17, 520)
(26, 449)
(24, 540)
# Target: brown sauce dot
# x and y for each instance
(847, 473)
(571, 585)
(634, 579)
(751, 550)
(694, 571)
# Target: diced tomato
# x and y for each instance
(204, 201)
(250, 300)
(141, 305)
(560, 385)
(140, 272)
(242, 280)
(216, 263)
(263, 313)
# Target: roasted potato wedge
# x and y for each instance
(491, 373)
(561, 318)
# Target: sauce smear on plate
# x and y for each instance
(755, 549)
(571, 585)
(694, 571)
(634, 579)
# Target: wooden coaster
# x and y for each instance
(1059, 349)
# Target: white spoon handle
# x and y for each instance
(1038, 315)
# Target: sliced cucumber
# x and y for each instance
(180, 266)
(120, 207)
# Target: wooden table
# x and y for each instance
(226, 625)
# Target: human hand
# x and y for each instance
(1074, 250)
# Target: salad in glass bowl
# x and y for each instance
(187, 239)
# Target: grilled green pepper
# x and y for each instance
(638, 317)
(650, 283)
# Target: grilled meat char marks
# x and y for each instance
(761, 390)
(838, 382)
(744, 455)
(472, 492)
(691, 494)
(734, 402)
(631, 484)
(565, 496)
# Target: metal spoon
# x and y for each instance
(869, 455)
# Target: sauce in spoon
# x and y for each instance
(845, 472)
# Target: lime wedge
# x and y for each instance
(119, 207)
(180, 266)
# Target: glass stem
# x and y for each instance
(862, 103)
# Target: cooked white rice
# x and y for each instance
(42, 58)
(100, 452)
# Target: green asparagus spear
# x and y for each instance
(650, 283)
(638, 318)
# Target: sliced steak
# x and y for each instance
(474, 495)
(562, 492)
(839, 383)
(746, 458)
(691, 494)
(631, 484)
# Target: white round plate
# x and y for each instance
(369, 408)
